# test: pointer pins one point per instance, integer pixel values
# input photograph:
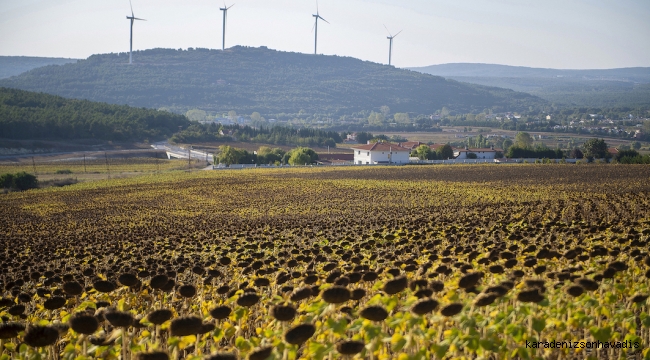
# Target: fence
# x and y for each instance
(105, 165)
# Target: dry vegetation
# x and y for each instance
(96, 166)
(373, 263)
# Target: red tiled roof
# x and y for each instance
(411, 144)
(381, 146)
(612, 151)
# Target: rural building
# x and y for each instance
(381, 153)
(485, 153)
(411, 145)
(335, 159)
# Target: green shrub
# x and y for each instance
(24, 181)
(64, 171)
(7, 180)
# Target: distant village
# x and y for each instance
(630, 126)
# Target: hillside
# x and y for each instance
(29, 115)
(16, 65)
(638, 74)
(258, 79)
(599, 88)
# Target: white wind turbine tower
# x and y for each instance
(390, 47)
(317, 16)
(132, 18)
(225, 15)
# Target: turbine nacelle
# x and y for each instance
(320, 17)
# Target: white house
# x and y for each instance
(381, 153)
(487, 153)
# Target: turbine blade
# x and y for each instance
(313, 27)
(391, 35)
(317, 7)
(139, 19)
(398, 33)
(131, 4)
(228, 8)
(323, 19)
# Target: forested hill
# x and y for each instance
(29, 115)
(258, 79)
(15, 65)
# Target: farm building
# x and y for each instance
(335, 159)
(411, 145)
(484, 153)
(381, 153)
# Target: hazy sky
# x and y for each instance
(576, 34)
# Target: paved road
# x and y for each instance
(181, 153)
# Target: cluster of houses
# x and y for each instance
(400, 153)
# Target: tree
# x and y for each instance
(471, 155)
(636, 145)
(196, 115)
(626, 153)
(385, 110)
(402, 118)
(523, 140)
(595, 148)
(266, 155)
(424, 152)
(507, 143)
(576, 154)
(376, 119)
(364, 137)
(299, 158)
(446, 152)
(228, 155)
(232, 114)
(302, 156)
(256, 116)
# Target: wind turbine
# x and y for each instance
(317, 16)
(390, 47)
(225, 14)
(133, 19)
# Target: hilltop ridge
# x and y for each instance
(248, 79)
(16, 65)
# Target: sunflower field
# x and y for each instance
(444, 262)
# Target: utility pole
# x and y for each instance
(84, 163)
(189, 158)
(34, 165)
(108, 169)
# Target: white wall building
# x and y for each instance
(487, 153)
(381, 153)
